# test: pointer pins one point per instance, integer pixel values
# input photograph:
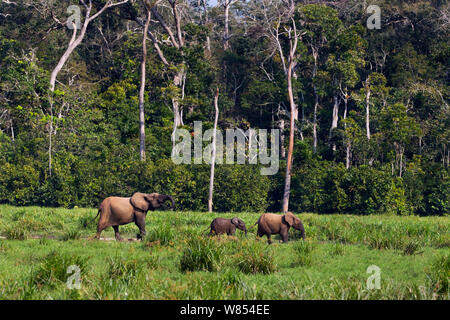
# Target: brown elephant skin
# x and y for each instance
(117, 211)
(228, 226)
(271, 223)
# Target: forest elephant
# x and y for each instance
(117, 211)
(270, 223)
(228, 226)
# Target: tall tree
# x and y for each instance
(147, 5)
(214, 151)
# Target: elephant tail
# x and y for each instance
(253, 225)
(204, 231)
(98, 212)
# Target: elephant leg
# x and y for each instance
(100, 228)
(116, 233)
(140, 222)
(269, 239)
(284, 237)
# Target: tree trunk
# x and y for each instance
(287, 186)
(226, 44)
(213, 157)
(316, 105)
(367, 108)
(177, 111)
(347, 152)
(142, 91)
(334, 122)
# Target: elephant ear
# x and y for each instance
(289, 218)
(235, 221)
(138, 201)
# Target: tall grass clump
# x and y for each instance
(303, 252)
(439, 276)
(163, 235)
(337, 249)
(72, 234)
(120, 268)
(412, 247)
(54, 267)
(15, 232)
(201, 254)
(256, 257)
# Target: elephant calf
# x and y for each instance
(228, 226)
(116, 211)
(270, 223)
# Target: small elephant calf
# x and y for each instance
(228, 226)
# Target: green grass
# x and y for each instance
(177, 261)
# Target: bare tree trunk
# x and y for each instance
(316, 105)
(367, 108)
(226, 32)
(50, 132)
(12, 129)
(177, 110)
(287, 185)
(208, 38)
(334, 122)
(213, 157)
(347, 152)
(142, 90)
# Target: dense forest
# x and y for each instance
(91, 91)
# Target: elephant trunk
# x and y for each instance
(302, 231)
(172, 201)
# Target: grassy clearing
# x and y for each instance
(177, 261)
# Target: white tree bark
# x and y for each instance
(335, 118)
(142, 90)
(213, 156)
(367, 87)
(293, 42)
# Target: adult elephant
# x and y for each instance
(117, 211)
(270, 223)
